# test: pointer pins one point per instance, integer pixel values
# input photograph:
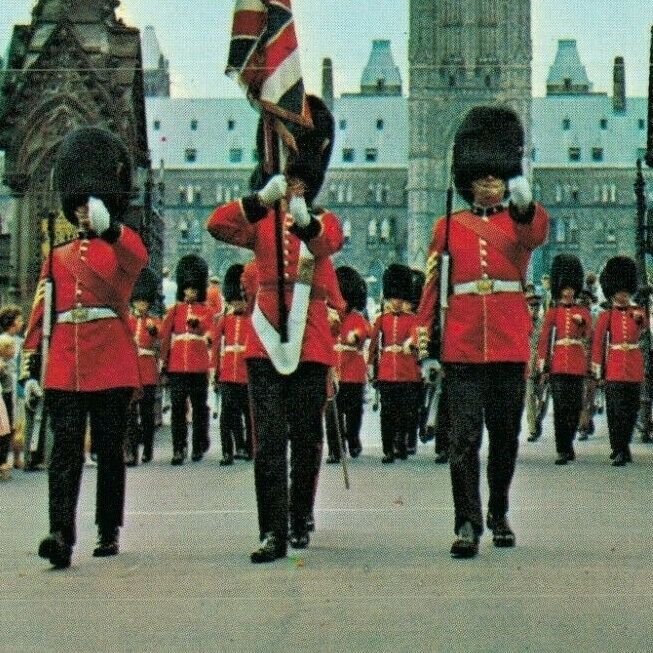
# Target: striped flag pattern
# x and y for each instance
(264, 59)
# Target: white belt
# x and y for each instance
(486, 287)
(341, 347)
(81, 314)
(625, 346)
(146, 352)
(394, 349)
(187, 336)
(566, 342)
(233, 349)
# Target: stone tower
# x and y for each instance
(75, 64)
(461, 53)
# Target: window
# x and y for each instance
(560, 230)
(342, 124)
(558, 193)
(597, 154)
(193, 125)
(574, 193)
(566, 124)
(603, 123)
(371, 231)
(641, 123)
(346, 230)
(385, 230)
(371, 154)
(574, 153)
(567, 83)
(349, 194)
(231, 124)
(533, 154)
(190, 155)
(157, 125)
(235, 155)
(379, 124)
(610, 236)
(198, 195)
(347, 154)
(573, 231)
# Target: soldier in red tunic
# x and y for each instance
(185, 341)
(616, 354)
(92, 369)
(397, 373)
(287, 380)
(563, 351)
(230, 334)
(146, 329)
(485, 344)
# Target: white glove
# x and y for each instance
(274, 190)
(430, 367)
(32, 390)
(299, 211)
(520, 192)
(98, 215)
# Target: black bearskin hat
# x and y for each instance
(232, 290)
(418, 286)
(566, 272)
(352, 287)
(619, 273)
(398, 282)
(93, 162)
(490, 141)
(146, 287)
(192, 272)
(311, 161)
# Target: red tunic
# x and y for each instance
(228, 223)
(620, 329)
(570, 354)
(99, 354)
(388, 342)
(185, 348)
(146, 344)
(230, 335)
(350, 355)
(483, 328)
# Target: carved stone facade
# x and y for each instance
(461, 53)
(76, 64)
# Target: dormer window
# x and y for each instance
(603, 123)
(379, 124)
(566, 124)
(190, 155)
(342, 124)
(231, 124)
(371, 154)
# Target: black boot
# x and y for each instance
(107, 542)
(177, 458)
(55, 549)
(270, 550)
(502, 534)
(147, 455)
(299, 537)
(466, 544)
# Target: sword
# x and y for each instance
(343, 453)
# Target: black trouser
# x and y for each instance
(234, 410)
(141, 422)
(195, 387)
(491, 394)
(283, 407)
(621, 404)
(443, 422)
(349, 404)
(68, 412)
(397, 414)
(567, 394)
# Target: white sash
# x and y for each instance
(285, 355)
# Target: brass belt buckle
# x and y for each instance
(484, 286)
(79, 314)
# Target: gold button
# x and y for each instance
(484, 275)
(482, 242)
(484, 264)
(78, 292)
(485, 218)
(484, 252)
(83, 258)
(286, 275)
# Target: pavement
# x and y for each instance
(377, 575)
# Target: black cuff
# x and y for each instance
(308, 232)
(112, 234)
(522, 216)
(253, 208)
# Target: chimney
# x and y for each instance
(327, 83)
(619, 88)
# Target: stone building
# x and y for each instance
(75, 64)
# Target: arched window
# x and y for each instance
(346, 229)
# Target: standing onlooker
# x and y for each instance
(485, 342)
(92, 369)
(563, 351)
(185, 336)
(616, 355)
(7, 383)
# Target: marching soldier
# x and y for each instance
(185, 336)
(229, 344)
(616, 354)
(485, 344)
(563, 351)
(398, 375)
(287, 375)
(146, 329)
(92, 369)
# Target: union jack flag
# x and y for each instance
(264, 59)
